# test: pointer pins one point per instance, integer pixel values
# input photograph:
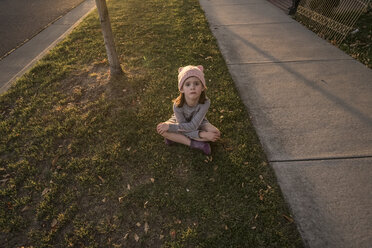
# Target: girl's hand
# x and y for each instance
(162, 127)
(210, 136)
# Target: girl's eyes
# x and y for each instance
(188, 84)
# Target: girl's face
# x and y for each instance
(192, 88)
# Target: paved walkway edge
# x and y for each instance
(23, 58)
(310, 104)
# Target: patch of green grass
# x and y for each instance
(81, 164)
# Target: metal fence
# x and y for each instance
(331, 19)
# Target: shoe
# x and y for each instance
(168, 142)
(201, 145)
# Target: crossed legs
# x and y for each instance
(208, 131)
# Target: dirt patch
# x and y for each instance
(87, 85)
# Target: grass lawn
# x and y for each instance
(81, 164)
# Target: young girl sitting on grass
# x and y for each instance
(188, 124)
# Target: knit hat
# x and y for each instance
(190, 71)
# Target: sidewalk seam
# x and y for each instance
(249, 24)
(288, 61)
(320, 159)
(233, 4)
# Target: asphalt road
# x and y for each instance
(20, 20)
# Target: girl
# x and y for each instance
(188, 124)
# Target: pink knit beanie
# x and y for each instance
(190, 71)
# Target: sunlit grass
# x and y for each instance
(82, 166)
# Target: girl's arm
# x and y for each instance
(182, 125)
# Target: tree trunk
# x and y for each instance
(115, 68)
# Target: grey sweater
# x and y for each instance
(189, 119)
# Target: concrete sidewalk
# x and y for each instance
(311, 105)
(24, 57)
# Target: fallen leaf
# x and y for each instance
(152, 180)
(45, 191)
(138, 224)
(261, 195)
(209, 159)
(69, 149)
(253, 227)
(261, 177)
(54, 223)
(104, 200)
(288, 218)
(126, 236)
(55, 160)
(128, 187)
(136, 237)
(146, 228)
(145, 204)
(25, 208)
(172, 234)
(102, 180)
(161, 236)
(121, 199)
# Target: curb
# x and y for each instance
(24, 57)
